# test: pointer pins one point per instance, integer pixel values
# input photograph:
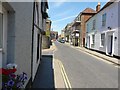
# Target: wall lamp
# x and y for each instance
(109, 28)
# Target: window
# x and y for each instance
(36, 14)
(103, 39)
(94, 24)
(38, 47)
(44, 7)
(104, 19)
(1, 29)
(87, 28)
(93, 39)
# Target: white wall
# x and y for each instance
(111, 21)
(4, 51)
(35, 62)
(119, 28)
(23, 36)
(0, 49)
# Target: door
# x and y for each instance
(83, 42)
(110, 44)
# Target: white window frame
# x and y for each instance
(104, 17)
(101, 45)
(94, 24)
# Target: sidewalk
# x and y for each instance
(103, 56)
(49, 72)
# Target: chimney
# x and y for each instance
(98, 7)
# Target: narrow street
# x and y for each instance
(85, 71)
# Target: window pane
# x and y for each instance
(38, 47)
(102, 39)
(1, 29)
(104, 19)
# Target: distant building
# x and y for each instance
(67, 32)
(63, 34)
(54, 35)
(79, 28)
(46, 41)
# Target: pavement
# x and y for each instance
(49, 73)
(95, 53)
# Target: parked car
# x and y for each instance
(62, 41)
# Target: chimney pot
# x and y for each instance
(98, 7)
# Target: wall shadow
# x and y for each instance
(45, 74)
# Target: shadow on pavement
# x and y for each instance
(45, 75)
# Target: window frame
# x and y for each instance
(104, 16)
(36, 14)
(94, 24)
(102, 40)
(38, 47)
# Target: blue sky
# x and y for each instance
(62, 13)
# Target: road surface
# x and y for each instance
(86, 71)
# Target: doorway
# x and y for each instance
(110, 45)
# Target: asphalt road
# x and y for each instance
(85, 71)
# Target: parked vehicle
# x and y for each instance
(62, 41)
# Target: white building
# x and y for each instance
(103, 30)
(21, 27)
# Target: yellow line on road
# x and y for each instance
(65, 77)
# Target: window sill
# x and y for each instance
(101, 46)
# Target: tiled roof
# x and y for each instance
(88, 10)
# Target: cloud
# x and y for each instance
(64, 18)
(64, 13)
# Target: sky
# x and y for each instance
(62, 13)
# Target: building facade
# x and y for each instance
(46, 40)
(103, 30)
(79, 28)
(67, 32)
(21, 28)
(54, 35)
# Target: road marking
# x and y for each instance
(65, 77)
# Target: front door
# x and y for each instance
(110, 44)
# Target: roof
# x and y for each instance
(88, 10)
(105, 6)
